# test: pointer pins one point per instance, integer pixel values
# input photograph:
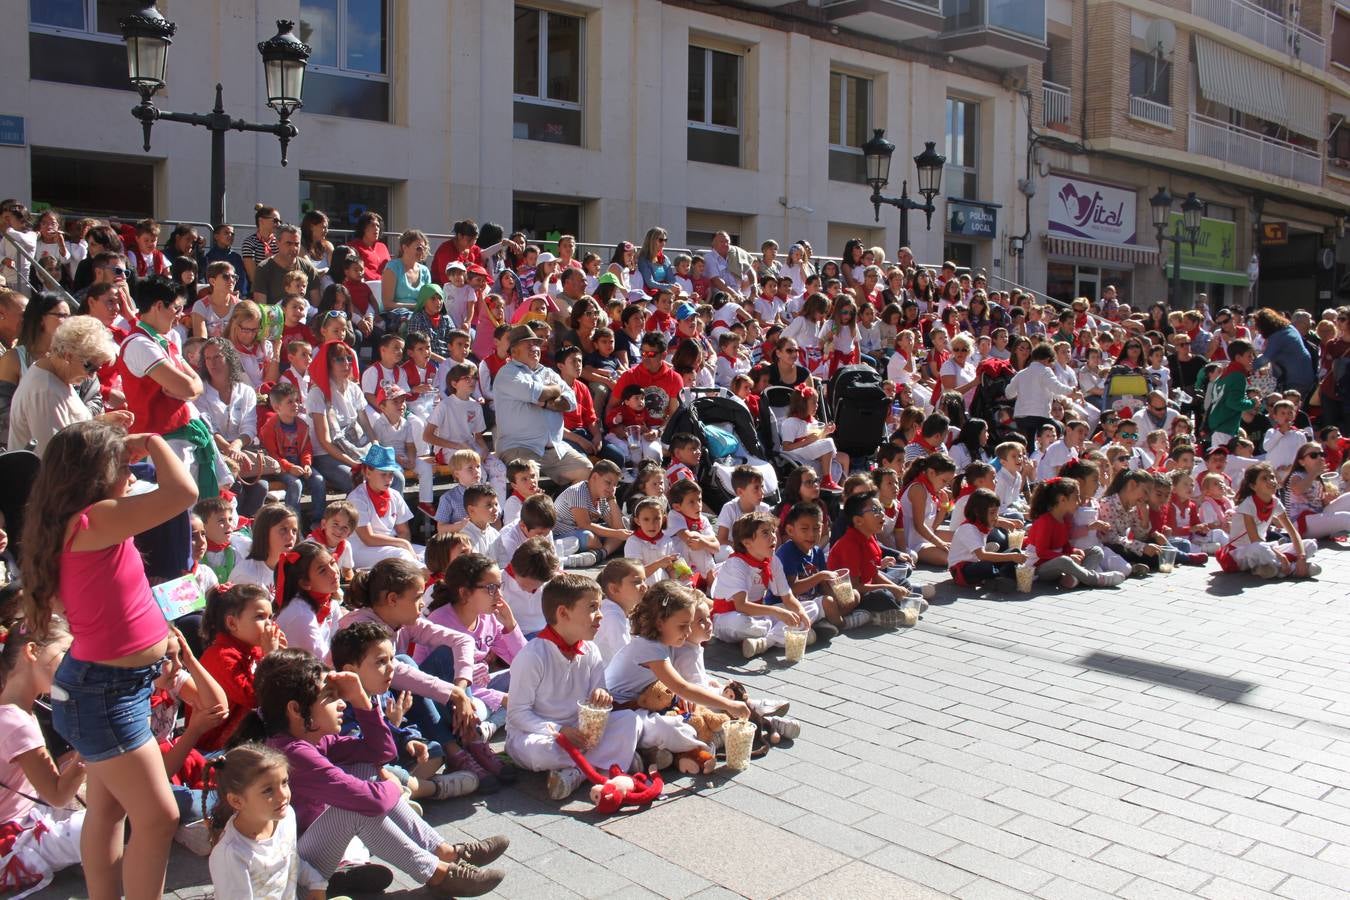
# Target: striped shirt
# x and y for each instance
(256, 249)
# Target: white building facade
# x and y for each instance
(595, 117)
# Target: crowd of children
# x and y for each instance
(356, 658)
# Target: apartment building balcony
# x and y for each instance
(896, 20)
(1264, 27)
(1241, 147)
(1055, 105)
(1149, 111)
(1001, 33)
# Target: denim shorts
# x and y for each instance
(103, 711)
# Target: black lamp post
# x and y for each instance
(1188, 229)
(148, 36)
(878, 152)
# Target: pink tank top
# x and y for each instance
(107, 600)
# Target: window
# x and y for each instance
(714, 107)
(1150, 78)
(78, 42)
(348, 72)
(546, 218)
(963, 126)
(1340, 39)
(850, 119)
(93, 185)
(701, 224)
(548, 77)
(1338, 149)
(343, 201)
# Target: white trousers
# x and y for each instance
(541, 753)
(734, 627)
(1269, 553)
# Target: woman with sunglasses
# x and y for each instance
(43, 315)
(60, 389)
(786, 370)
(211, 313)
(1314, 505)
(656, 271)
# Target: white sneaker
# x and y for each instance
(752, 647)
(896, 618)
(1267, 571)
(1109, 579)
(770, 706)
(811, 637)
(454, 784)
(194, 836)
(857, 619)
(1314, 570)
(486, 730)
(563, 783)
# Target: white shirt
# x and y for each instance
(965, 541)
(215, 324)
(42, 405)
(233, 420)
(545, 687)
(482, 539)
(900, 369)
(1008, 487)
(254, 571)
(1053, 459)
(1237, 529)
(646, 552)
(1034, 388)
(377, 376)
(614, 633)
(395, 436)
(303, 629)
(397, 514)
(458, 420)
(254, 362)
(700, 560)
(510, 537)
(736, 577)
(1283, 446)
(343, 412)
(963, 375)
(731, 511)
(266, 869)
(525, 606)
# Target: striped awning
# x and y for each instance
(1249, 85)
(1130, 254)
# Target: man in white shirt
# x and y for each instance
(1156, 414)
(1034, 389)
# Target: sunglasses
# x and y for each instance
(336, 314)
(791, 351)
(1316, 454)
(90, 367)
(116, 270)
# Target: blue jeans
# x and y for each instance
(102, 711)
(315, 484)
(430, 717)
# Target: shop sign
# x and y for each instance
(1215, 246)
(1090, 210)
(1274, 234)
(11, 131)
(971, 219)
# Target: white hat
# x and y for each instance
(456, 264)
(546, 257)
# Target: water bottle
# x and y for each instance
(896, 409)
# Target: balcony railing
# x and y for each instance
(1054, 104)
(1241, 147)
(1154, 113)
(1264, 27)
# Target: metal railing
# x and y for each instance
(1151, 112)
(1264, 27)
(1242, 147)
(43, 275)
(1055, 103)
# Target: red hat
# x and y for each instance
(476, 269)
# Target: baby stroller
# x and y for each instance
(725, 428)
(773, 408)
(858, 408)
(991, 392)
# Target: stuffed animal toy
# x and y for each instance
(766, 727)
(661, 700)
(619, 788)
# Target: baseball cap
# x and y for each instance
(521, 334)
(609, 278)
(455, 264)
(476, 269)
(685, 311)
(545, 257)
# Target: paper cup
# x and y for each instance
(739, 738)
(794, 643)
(1026, 576)
(591, 721)
(841, 579)
(1015, 539)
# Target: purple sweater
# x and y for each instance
(422, 634)
(318, 781)
(489, 639)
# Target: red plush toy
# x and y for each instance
(620, 788)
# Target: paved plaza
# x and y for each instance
(1187, 735)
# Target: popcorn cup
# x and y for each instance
(1167, 559)
(841, 579)
(1015, 539)
(794, 643)
(1026, 576)
(739, 738)
(591, 721)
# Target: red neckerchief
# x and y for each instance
(318, 368)
(1234, 367)
(1081, 321)
(763, 566)
(380, 500)
(642, 535)
(511, 570)
(246, 351)
(435, 578)
(225, 639)
(966, 489)
(519, 495)
(731, 359)
(569, 651)
(1264, 509)
(434, 320)
(982, 529)
(933, 493)
(322, 603)
(217, 548)
(693, 524)
(892, 510)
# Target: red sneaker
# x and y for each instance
(428, 509)
(829, 484)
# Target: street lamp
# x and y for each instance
(877, 152)
(148, 35)
(1187, 230)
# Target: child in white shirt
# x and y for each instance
(480, 508)
(392, 427)
(753, 601)
(623, 584)
(648, 544)
(692, 534)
